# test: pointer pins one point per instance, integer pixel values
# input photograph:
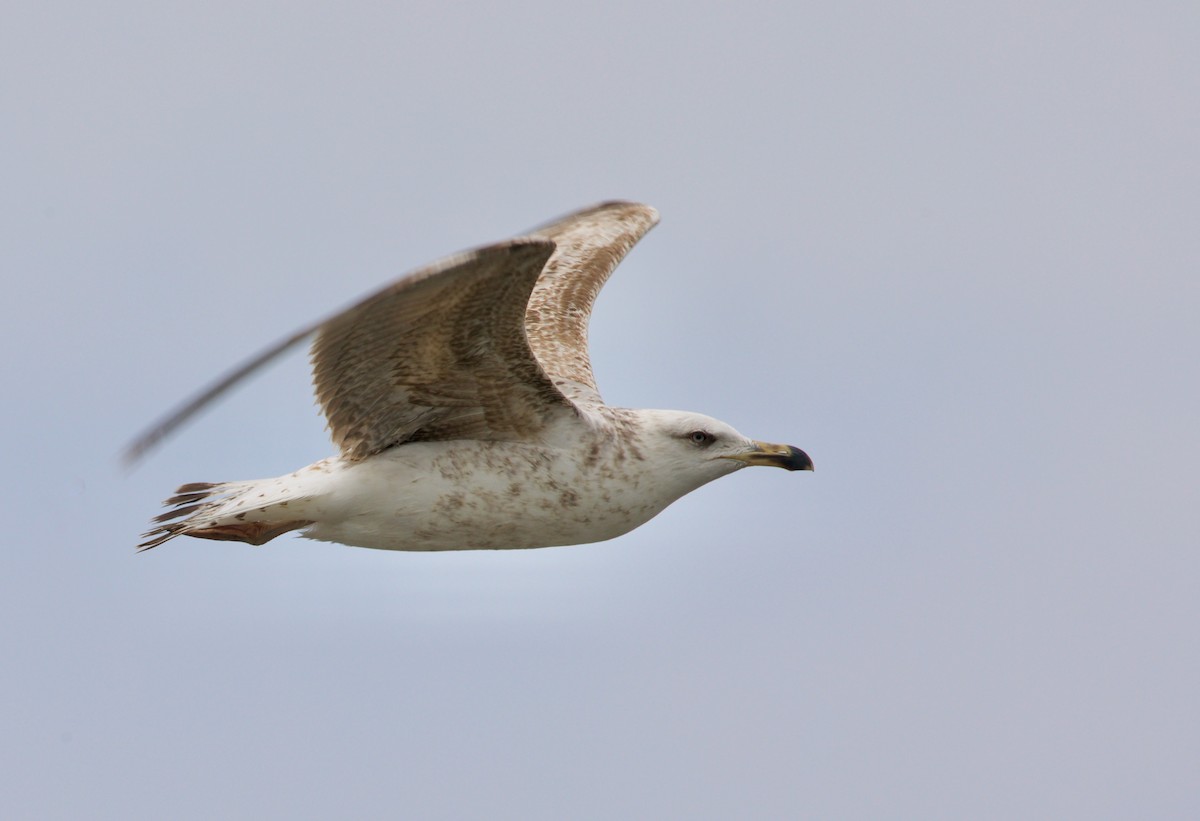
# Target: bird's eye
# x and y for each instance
(701, 437)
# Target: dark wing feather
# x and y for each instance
(148, 439)
(589, 246)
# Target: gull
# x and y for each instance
(462, 403)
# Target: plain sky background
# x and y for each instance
(950, 249)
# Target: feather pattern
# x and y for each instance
(589, 245)
(441, 354)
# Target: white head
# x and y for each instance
(691, 449)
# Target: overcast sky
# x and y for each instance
(949, 249)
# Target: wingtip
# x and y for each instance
(133, 453)
(641, 213)
(648, 212)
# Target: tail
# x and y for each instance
(225, 511)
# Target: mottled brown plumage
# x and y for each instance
(589, 245)
(439, 355)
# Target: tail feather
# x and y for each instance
(188, 503)
(225, 511)
(184, 498)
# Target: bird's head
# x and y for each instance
(699, 448)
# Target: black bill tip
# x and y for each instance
(796, 459)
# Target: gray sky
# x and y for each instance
(949, 249)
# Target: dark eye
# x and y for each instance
(701, 437)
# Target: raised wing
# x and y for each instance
(488, 344)
(439, 354)
(589, 246)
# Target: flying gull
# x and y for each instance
(462, 401)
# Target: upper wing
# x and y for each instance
(440, 354)
(589, 245)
